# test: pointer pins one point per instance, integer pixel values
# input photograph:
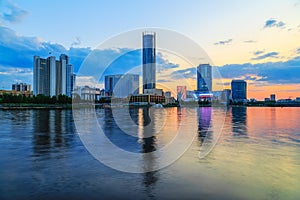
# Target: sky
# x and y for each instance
(258, 41)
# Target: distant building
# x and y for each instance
(272, 97)
(297, 99)
(149, 61)
(181, 93)
(239, 90)
(86, 93)
(157, 92)
(26, 93)
(222, 96)
(204, 78)
(21, 87)
(227, 95)
(52, 77)
(168, 94)
(267, 99)
(122, 85)
(146, 99)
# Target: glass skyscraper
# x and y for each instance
(239, 90)
(204, 78)
(149, 61)
(52, 77)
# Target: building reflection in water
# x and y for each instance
(148, 144)
(239, 121)
(52, 129)
(204, 122)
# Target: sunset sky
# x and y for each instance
(258, 41)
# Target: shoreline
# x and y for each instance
(12, 106)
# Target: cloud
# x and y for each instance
(269, 72)
(17, 52)
(274, 23)
(266, 55)
(184, 73)
(223, 42)
(298, 51)
(10, 12)
(258, 52)
(250, 41)
(163, 80)
(76, 42)
(11, 75)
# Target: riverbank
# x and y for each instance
(6, 106)
(16, 106)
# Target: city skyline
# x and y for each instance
(260, 46)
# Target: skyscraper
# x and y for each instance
(69, 79)
(52, 77)
(204, 78)
(239, 90)
(122, 85)
(149, 61)
(41, 83)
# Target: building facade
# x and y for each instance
(21, 87)
(239, 90)
(149, 61)
(121, 85)
(204, 78)
(52, 77)
(181, 93)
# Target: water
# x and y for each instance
(256, 157)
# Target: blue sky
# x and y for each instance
(257, 40)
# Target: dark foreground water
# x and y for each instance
(256, 157)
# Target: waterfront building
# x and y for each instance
(121, 85)
(168, 94)
(53, 77)
(272, 97)
(181, 93)
(157, 92)
(204, 78)
(149, 61)
(146, 99)
(86, 93)
(21, 87)
(239, 90)
(222, 96)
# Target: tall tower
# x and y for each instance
(52, 77)
(64, 61)
(204, 78)
(149, 61)
(41, 75)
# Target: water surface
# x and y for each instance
(257, 156)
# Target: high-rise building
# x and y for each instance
(69, 79)
(41, 83)
(149, 61)
(21, 87)
(239, 90)
(122, 85)
(52, 77)
(181, 93)
(204, 78)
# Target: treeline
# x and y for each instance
(38, 99)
